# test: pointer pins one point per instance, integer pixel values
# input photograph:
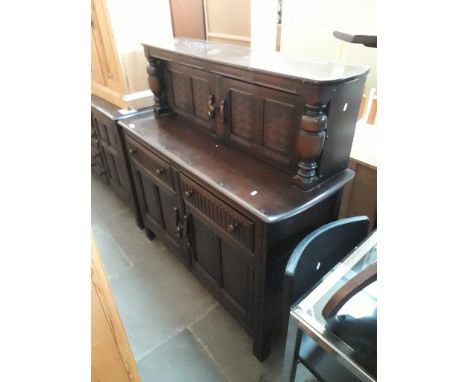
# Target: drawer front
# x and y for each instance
(239, 227)
(152, 163)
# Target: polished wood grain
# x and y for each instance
(266, 106)
(235, 218)
(258, 187)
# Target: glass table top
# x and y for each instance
(348, 329)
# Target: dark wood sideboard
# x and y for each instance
(244, 155)
(109, 159)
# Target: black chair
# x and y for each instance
(312, 259)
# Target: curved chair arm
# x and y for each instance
(348, 290)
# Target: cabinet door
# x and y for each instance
(192, 94)
(113, 156)
(97, 159)
(157, 198)
(261, 120)
(224, 267)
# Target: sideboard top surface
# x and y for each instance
(315, 71)
(261, 189)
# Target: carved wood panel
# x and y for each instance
(201, 91)
(277, 125)
(243, 113)
(236, 225)
(182, 90)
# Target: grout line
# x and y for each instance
(211, 356)
(177, 332)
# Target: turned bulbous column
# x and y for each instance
(309, 144)
(156, 84)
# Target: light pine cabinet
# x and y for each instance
(117, 66)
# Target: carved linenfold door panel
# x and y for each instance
(192, 94)
(261, 120)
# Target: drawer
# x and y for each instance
(152, 163)
(236, 225)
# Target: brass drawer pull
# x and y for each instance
(211, 107)
(232, 227)
(160, 171)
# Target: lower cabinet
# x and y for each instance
(209, 236)
(236, 255)
(224, 267)
(97, 159)
(110, 154)
(157, 198)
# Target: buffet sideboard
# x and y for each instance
(243, 155)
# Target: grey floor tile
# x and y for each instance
(156, 298)
(104, 203)
(230, 345)
(181, 359)
(131, 239)
(112, 256)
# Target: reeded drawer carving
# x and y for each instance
(155, 165)
(232, 222)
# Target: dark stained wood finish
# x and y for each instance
(235, 224)
(252, 155)
(108, 151)
(226, 172)
(97, 158)
(235, 241)
(271, 115)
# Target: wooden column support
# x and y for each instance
(156, 84)
(310, 140)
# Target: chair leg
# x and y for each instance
(291, 352)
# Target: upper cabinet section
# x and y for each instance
(261, 62)
(297, 115)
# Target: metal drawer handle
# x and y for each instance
(188, 193)
(132, 151)
(232, 227)
(211, 107)
(160, 171)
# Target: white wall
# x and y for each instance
(308, 25)
(132, 23)
(263, 15)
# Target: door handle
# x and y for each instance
(211, 106)
(222, 110)
(187, 231)
(179, 228)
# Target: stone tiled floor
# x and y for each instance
(177, 330)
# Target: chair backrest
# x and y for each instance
(317, 254)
